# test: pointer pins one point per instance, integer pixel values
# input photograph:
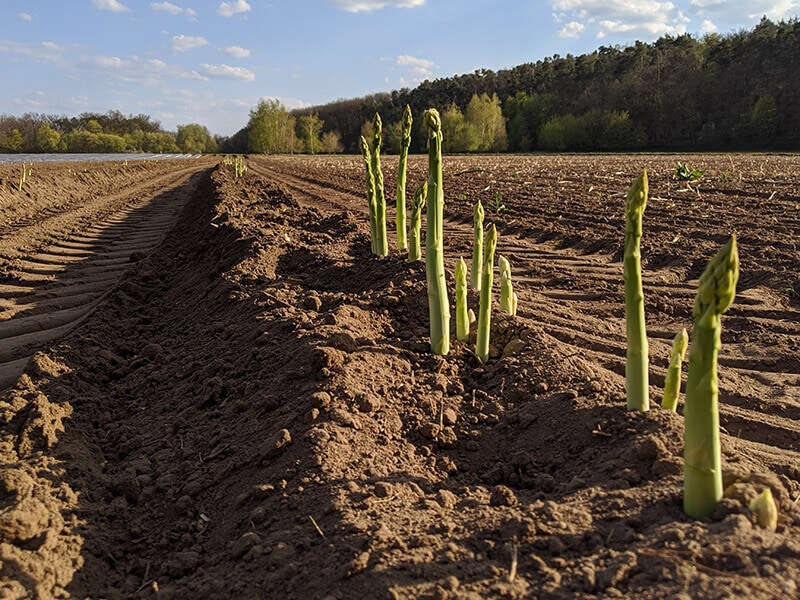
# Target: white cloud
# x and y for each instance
(226, 72)
(183, 43)
(112, 5)
(370, 5)
(134, 69)
(228, 9)
(236, 51)
(417, 69)
(572, 29)
(44, 52)
(633, 19)
(172, 9)
(744, 13)
(707, 27)
(24, 17)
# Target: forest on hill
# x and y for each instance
(739, 91)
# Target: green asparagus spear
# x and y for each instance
(702, 484)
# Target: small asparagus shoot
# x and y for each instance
(462, 313)
(508, 299)
(636, 365)
(485, 309)
(415, 233)
(400, 214)
(477, 247)
(702, 482)
(672, 382)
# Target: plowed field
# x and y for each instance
(226, 395)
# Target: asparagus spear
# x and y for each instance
(702, 484)
(485, 310)
(420, 197)
(462, 314)
(365, 152)
(672, 382)
(636, 366)
(400, 216)
(477, 247)
(438, 304)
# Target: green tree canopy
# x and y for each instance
(309, 130)
(195, 139)
(272, 129)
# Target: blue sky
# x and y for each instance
(210, 62)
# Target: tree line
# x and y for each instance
(738, 91)
(105, 133)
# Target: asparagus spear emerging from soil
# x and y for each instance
(420, 196)
(766, 510)
(508, 299)
(636, 366)
(672, 382)
(405, 142)
(462, 313)
(477, 247)
(381, 242)
(702, 483)
(485, 310)
(373, 211)
(438, 304)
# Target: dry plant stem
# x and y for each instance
(381, 241)
(636, 366)
(400, 208)
(462, 313)
(414, 244)
(438, 304)
(702, 483)
(672, 382)
(477, 247)
(485, 311)
(371, 201)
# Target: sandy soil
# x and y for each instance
(249, 409)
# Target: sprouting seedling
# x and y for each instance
(497, 203)
(684, 173)
(637, 355)
(672, 382)
(702, 482)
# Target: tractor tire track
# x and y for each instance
(76, 258)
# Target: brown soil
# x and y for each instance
(249, 407)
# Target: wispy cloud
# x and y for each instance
(184, 43)
(228, 9)
(172, 9)
(134, 69)
(112, 5)
(236, 51)
(639, 19)
(226, 72)
(416, 69)
(24, 16)
(44, 52)
(370, 5)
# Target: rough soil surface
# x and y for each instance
(251, 409)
